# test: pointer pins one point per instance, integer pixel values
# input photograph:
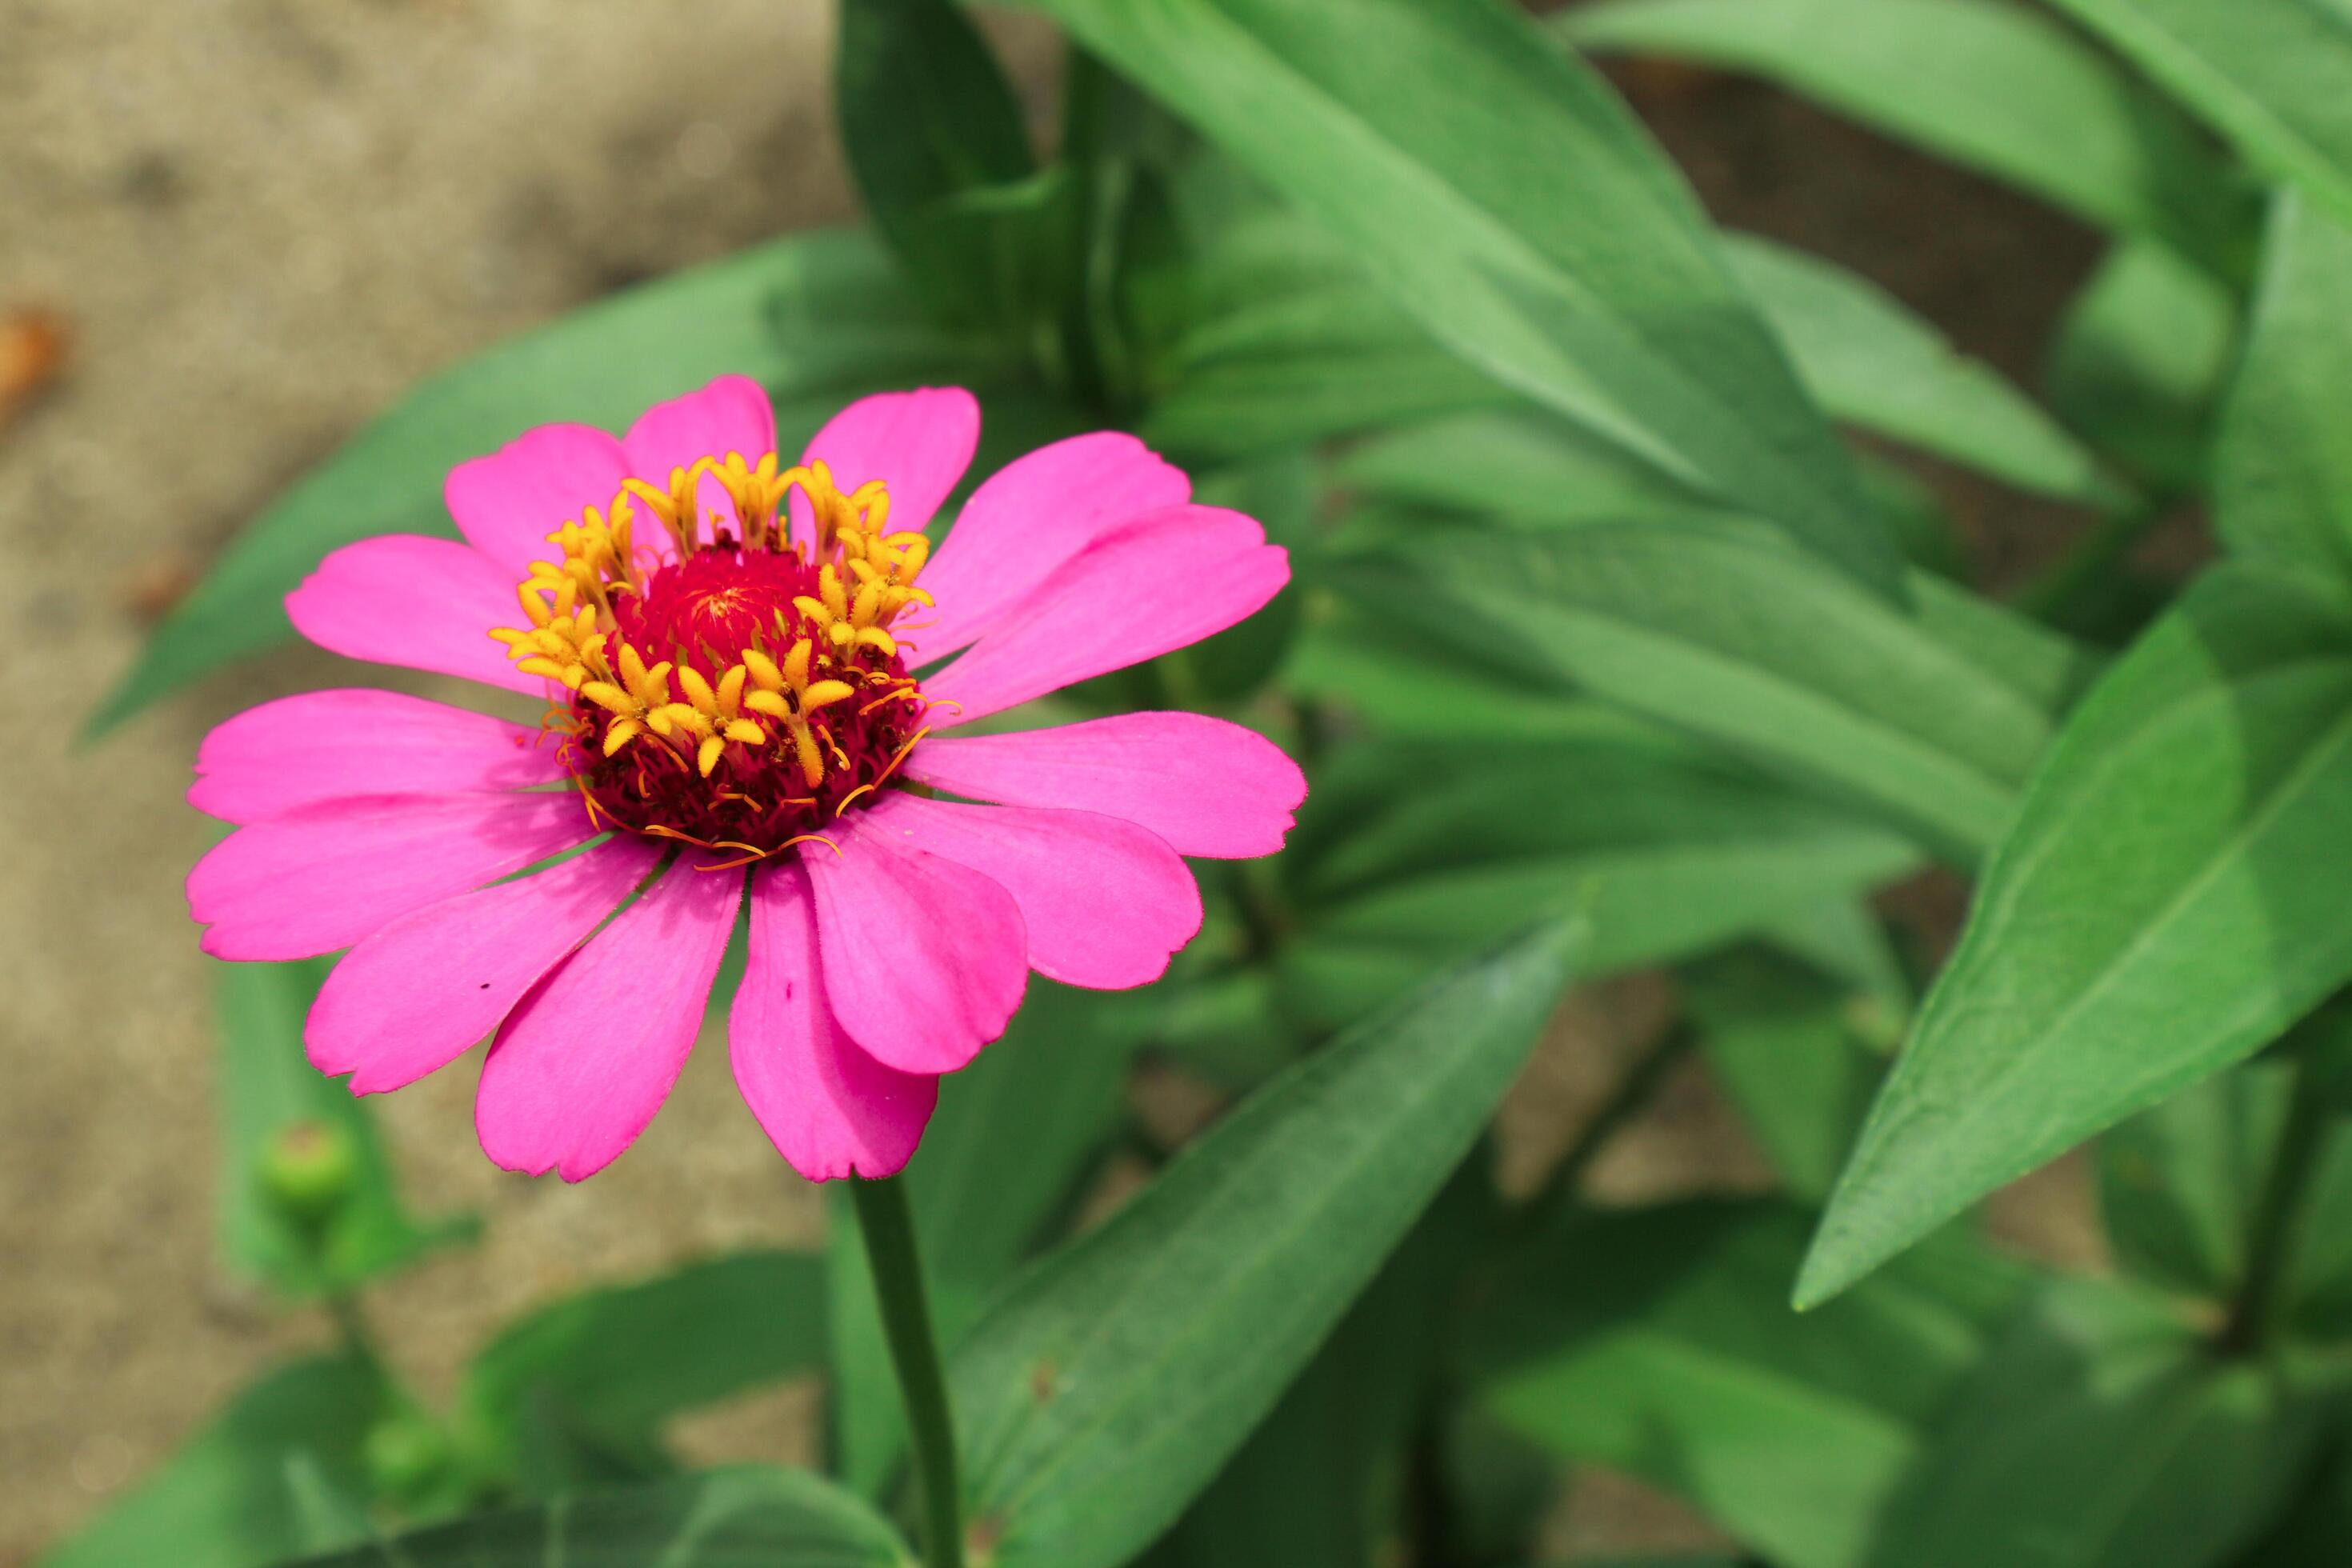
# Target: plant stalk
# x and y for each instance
(888, 1224)
(1633, 1091)
(2253, 1318)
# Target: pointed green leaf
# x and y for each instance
(2140, 359)
(2267, 74)
(2166, 903)
(1107, 1385)
(817, 313)
(268, 1089)
(1671, 853)
(239, 1494)
(727, 1519)
(1932, 716)
(2101, 1432)
(2283, 480)
(1859, 349)
(1503, 196)
(1658, 1341)
(1993, 87)
(928, 122)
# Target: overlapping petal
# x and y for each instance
(421, 603)
(418, 992)
(1208, 786)
(830, 1108)
(321, 745)
(1029, 518)
(1105, 904)
(918, 443)
(324, 876)
(937, 950)
(587, 1059)
(1161, 583)
(507, 503)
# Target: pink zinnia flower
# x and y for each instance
(741, 668)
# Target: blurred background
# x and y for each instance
(233, 230)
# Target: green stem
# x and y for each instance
(2278, 1220)
(352, 1327)
(1624, 1102)
(889, 1228)
(2051, 595)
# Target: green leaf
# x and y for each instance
(1520, 465)
(1292, 344)
(1991, 86)
(929, 122)
(1107, 1385)
(817, 313)
(1010, 1137)
(580, 1389)
(1656, 1341)
(2139, 361)
(1669, 855)
(1319, 1484)
(1868, 359)
(268, 1089)
(1932, 717)
(2283, 481)
(240, 1493)
(2180, 1184)
(2166, 904)
(1498, 192)
(2101, 1433)
(1284, 342)
(1779, 1042)
(2269, 75)
(727, 1519)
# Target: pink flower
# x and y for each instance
(741, 669)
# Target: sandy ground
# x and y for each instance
(262, 220)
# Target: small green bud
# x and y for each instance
(405, 1455)
(308, 1170)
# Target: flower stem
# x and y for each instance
(2278, 1221)
(889, 1228)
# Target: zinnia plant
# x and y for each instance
(1963, 800)
(754, 678)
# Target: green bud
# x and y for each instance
(405, 1455)
(308, 1170)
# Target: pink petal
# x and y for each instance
(924, 959)
(423, 604)
(507, 503)
(269, 760)
(1028, 518)
(1105, 904)
(1207, 786)
(413, 997)
(323, 875)
(831, 1110)
(1160, 583)
(588, 1056)
(918, 443)
(730, 415)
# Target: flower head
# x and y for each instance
(752, 674)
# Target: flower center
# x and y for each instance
(744, 688)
